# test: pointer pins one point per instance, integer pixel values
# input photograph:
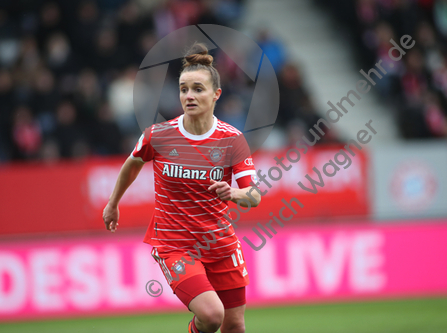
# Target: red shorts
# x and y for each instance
(225, 274)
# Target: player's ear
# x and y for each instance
(217, 94)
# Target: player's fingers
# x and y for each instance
(225, 188)
(224, 195)
(113, 226)
(230, 193)
(222, 189)
(108, 221)
(212, 183)
(214, 186)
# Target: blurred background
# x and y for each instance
(367, 253)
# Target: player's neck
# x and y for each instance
(198, 125)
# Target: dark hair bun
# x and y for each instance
(198, 55)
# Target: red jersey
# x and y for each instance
(184, 163)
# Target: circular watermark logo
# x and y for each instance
(154, 288)
(242, 50)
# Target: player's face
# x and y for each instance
(197, 94)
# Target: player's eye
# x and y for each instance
(199, 89)
(183, 90)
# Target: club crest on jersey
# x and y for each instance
(216, 154)
(178, 267)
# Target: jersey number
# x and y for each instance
(239, 258)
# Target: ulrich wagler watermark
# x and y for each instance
(330, 169)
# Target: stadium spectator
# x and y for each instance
(273, 49)
(70, 135)
(83, 30)
(232, 112)
(120, 98)
(109, 55)
(59, 56)
(45, 99)
(292, 95)
(440, 17)
(71, 67)
(50, 22)
(106, 135)
(26, 133)
(416, 85)
(6, 102)
(49, 152)
(434, 117)
(87, 95)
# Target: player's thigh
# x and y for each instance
(208, 307)
(191, 285)
(234, 320)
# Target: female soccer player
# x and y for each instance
(194, 156)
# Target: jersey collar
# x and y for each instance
(193, 136)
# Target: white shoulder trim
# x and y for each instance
(193, 136)
(244, 173)
(136, 158)
(228, 127)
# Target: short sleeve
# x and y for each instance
(245, 172)
(241, 161)
(240, 150)
(143, 150)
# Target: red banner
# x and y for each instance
(70, 196)
(109, 274)
(344, 194)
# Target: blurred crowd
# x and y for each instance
(67, 70)
(417, 86)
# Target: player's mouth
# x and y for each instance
(191, 105)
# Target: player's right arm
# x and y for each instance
(142, 153)
(128, 173)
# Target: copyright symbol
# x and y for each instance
(152, 290)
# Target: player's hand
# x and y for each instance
(222, 189)
(111, 215)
